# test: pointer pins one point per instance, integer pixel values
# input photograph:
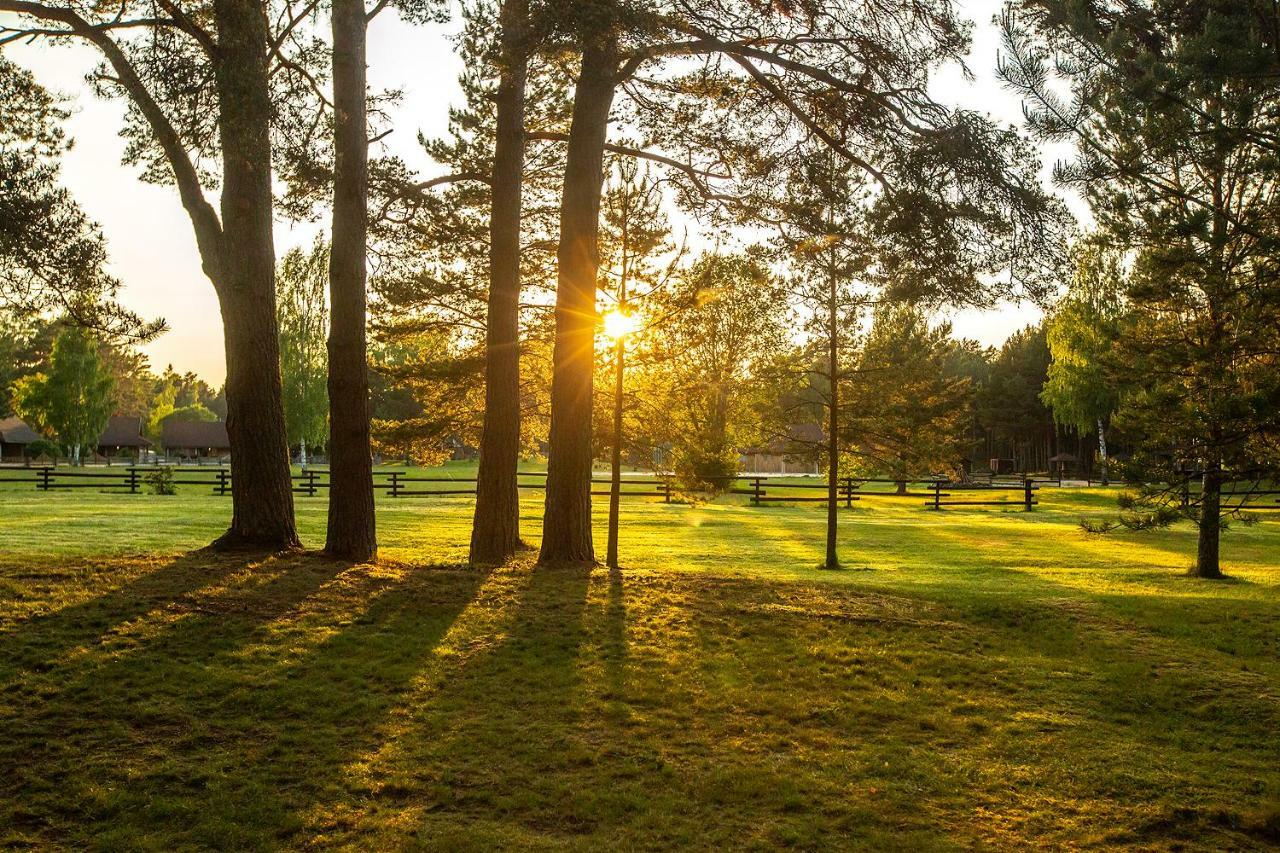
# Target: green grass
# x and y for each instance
(972, 678)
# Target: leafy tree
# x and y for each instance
(73, 400)
(304, 322)
(25, 344)
(1081, 334)
(1172, 111)
(906, 411)
(211, 94)
(705, 385)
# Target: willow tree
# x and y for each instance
(729, 91)
(1172, 109)
(208, 84)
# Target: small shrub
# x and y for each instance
(1249, 519)
(160, 481)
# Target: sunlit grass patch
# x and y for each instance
(972, 678)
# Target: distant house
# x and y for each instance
(15, 435)
(195, 439)
(122, 436)
(795, 453)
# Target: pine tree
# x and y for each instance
(1172, 110)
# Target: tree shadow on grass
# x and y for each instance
(224, 721)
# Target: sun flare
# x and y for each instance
(618, 324)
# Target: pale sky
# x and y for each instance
(151, 244)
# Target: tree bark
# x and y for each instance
(261, 488)
(1207, 563)
(1102, 454)
(566, 534)
(495, 531)
(352, 529)
(833, 423)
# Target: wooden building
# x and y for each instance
(195, 439)
(122, 437)
(15, 435)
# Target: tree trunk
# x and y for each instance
(566, 533)
(1102, 453)
(352, 530)
(615, 472)
(495, 531)
(261, 489)
(1207, 564)
(833, 424)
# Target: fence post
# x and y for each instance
(395, 484)
(43, 484)
(311, 482)
(133, 480)
(666, 490)
(848, 493)
(755, 491)
(1028, 485)
(937, 495)
(222, 482)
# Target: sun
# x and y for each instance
(618, 324)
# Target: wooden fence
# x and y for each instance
(761, 490)
(849, 489)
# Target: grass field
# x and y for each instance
(972, 678)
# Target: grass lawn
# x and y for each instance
(972, 678)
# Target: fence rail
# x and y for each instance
(762, 490)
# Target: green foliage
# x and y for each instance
(1098, 526)
(73, 400)
(160, 481)
(52, 256)
(905, 412)
(42, 447)
(1082, 386)
(701, 382)
(301, 284)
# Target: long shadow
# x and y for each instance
(219, 729)
(39, 641)
(501, 737)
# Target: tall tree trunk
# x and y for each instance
(833, 423)
(495, 531)
(261, 489)
(1102, 453)
(566, 527)
(615, 461)
(1207, 563)
(352, 531)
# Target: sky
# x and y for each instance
(151, 244)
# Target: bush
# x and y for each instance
(160, 481)
(42, 447)
(702, 470)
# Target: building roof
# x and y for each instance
(13, 430)
(195, 434)
(123, 431)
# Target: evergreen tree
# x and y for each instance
(907, 412)
(1172, 109)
